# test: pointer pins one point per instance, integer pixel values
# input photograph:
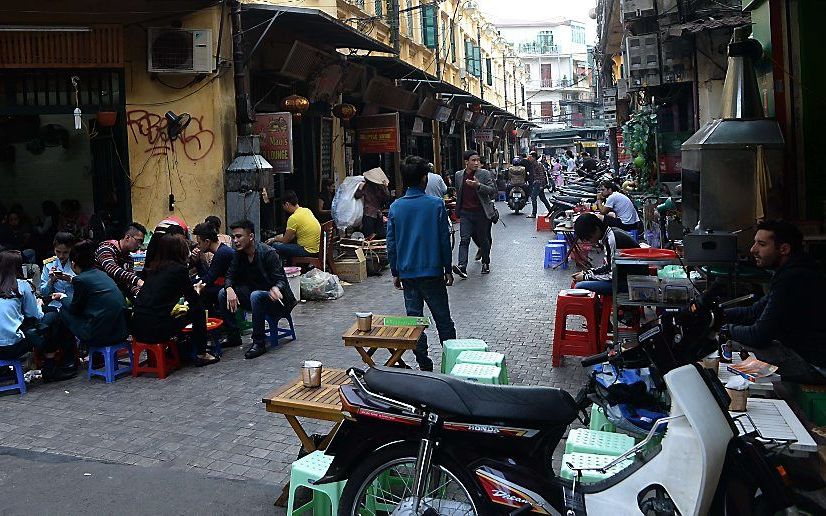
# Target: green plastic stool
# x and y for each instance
(244, 324)
(582, 440)
(477, 373)
(590, 460)
(451, 349)
(306, 470)
(599, 421)
(485, 358)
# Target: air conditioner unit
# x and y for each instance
(180, 51)
(303, 61)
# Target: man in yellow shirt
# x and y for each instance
(303, 234)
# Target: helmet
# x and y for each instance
(516, 161)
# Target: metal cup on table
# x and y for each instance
(311, 373)
(364, 321)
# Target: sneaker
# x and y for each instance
(460, 271)
(530, 216)
(485, 268)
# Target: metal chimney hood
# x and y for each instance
(719, 161)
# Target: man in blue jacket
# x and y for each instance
(418, 247)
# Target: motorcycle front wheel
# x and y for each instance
(383, 485)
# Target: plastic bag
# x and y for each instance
(319, 285)
(347, 210)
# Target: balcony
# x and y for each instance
(580, 84)
(534, 48)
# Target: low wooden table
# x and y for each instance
(775, 419)
(294, 401)
(396, 339)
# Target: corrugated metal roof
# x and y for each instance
(707, 24)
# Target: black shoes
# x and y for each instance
(231, 341)
(256, 350)
(52, 373)
(478, 256)
(485, 268)
(460, 271)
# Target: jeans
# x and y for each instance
(537, 190)
(602, 288)
(474, 225)
(373, 226)
(612, 221)
(257, 301)
(289, 250)
(417, 292)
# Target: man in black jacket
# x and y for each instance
(255, 281)
(785, 328)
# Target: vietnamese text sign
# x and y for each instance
(276, 130)
(484, 135)
(378, 133)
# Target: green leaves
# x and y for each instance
(638, 134)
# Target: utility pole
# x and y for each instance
(505, 78)
(395, 23)
(479, 44)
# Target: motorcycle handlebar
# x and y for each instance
(595, 359)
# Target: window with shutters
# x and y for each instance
(545, 73)
(527, 71)
(379, 5)
(429, 26)
(409, 7)
(546, 109)
(473, 59)
(489, 65)
(530, 111)
(452, 41)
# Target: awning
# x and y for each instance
(392, 67)
(314, 24)
(735, 20)
(557, 142)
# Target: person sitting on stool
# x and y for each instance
(303, 234)
(611, 200)
(590, 228)
(784, 327)
(255, 281)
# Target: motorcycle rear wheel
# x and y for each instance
(384, 481)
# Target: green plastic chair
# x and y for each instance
(477, 373)
(590, 460)
(326, 497)
(486, 358)
(599, 421)
(451, 349)
(582, 440)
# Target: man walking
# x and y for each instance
(255, 281)
(418, 248)
(475, 192)
(539, 181)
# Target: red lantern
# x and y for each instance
(297, 105)
(344, 112)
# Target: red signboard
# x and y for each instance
(276, 131)
(378, 133)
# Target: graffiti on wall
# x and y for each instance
(148, 128)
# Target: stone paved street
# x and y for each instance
(211, 421)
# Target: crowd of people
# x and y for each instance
(33, 236)
(90, 295)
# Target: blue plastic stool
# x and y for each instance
(280, 333)
(555, 253)
(18, 369)
(112, 367)
(502, 196)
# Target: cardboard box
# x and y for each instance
(352, 270)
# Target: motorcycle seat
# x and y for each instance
(572, 199)
(450, 395)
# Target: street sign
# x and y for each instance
(276, 130)
(378, 133)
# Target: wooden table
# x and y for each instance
(294, 400)
(396, 339)
(775, 419)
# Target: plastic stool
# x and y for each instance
(583, 440)
(112, 367)
(555, 254)
(543, 223)
(280, 333)
(633, 233)
(486, 358)
(157, 362)
(451, 349)
(599, 421)
(502, 196)
(574, 342)
(477, 373)
(241, 320)
(303, 473)
(590, 460)
(18, 370)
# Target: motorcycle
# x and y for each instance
(425, 444)
(518, 189)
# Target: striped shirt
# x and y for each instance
(118, 265)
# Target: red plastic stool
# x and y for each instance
(157, 362)
(574, 342)
(605, 319)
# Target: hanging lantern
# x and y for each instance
(476, 108)
(297, 105)
(344, 112)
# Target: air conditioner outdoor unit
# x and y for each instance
(180, 51)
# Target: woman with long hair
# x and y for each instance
(166, 280)
(20, 313)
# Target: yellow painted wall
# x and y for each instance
(196, 162)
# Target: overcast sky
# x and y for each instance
(541, 9)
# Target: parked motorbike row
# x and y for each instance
(425, 444)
